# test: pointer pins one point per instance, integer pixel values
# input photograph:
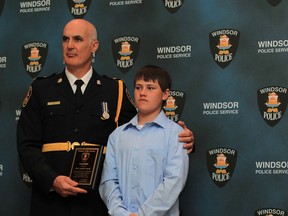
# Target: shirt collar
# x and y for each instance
(85, 78)
(160, 120)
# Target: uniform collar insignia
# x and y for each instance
(59, 80)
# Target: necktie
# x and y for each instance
(78, 92)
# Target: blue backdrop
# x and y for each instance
(228, 61)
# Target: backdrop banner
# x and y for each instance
(228, 62)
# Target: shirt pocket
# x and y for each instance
(54, 121)
(100, 125)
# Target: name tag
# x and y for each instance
(53, 103)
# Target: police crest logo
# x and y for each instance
(274, 2)
(78, 8)
(223, 45)
(173, 5)
(1, 6)
(270, 212)
(174, 105)
(34, 56)
(85, 156)
(125, 51)
(272, 103)
(221, 163)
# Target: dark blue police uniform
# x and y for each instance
(50, 114)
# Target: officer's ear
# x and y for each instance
(95, 45)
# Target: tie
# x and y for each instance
(78, 92)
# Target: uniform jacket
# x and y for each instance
(50, 114)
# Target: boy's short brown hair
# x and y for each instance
(154, 73)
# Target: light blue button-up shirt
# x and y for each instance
(145, 169)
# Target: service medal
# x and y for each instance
(105, 111)
(105, 115)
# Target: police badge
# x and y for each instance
(174, 105)
(1, 6)
(173, 5)
(223, 45)
(34, 56)
(274, 2)
(78, 8)
(221, 163)
(272, 103)
(125, 51)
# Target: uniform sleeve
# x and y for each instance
(128, 110)
(29, 141)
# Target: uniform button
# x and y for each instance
(76, 130)
(77, 111)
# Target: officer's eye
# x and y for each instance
(65, 38)
(78, 38)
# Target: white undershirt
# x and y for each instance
(71, 78)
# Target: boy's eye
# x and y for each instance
(151, 87)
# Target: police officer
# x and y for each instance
(54, 120)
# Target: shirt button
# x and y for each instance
(76, 130)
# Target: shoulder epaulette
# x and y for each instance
(44, 77)
(113, 78)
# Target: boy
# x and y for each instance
(145, 167)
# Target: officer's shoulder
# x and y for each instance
(44, 78)
(112, 79)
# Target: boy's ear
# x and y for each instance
(166, 94)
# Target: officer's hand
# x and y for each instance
(65, 186)
(187, 137)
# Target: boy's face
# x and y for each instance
(148, 97)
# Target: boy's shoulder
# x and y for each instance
(120, 128)
(177, 126)
(174, 125)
